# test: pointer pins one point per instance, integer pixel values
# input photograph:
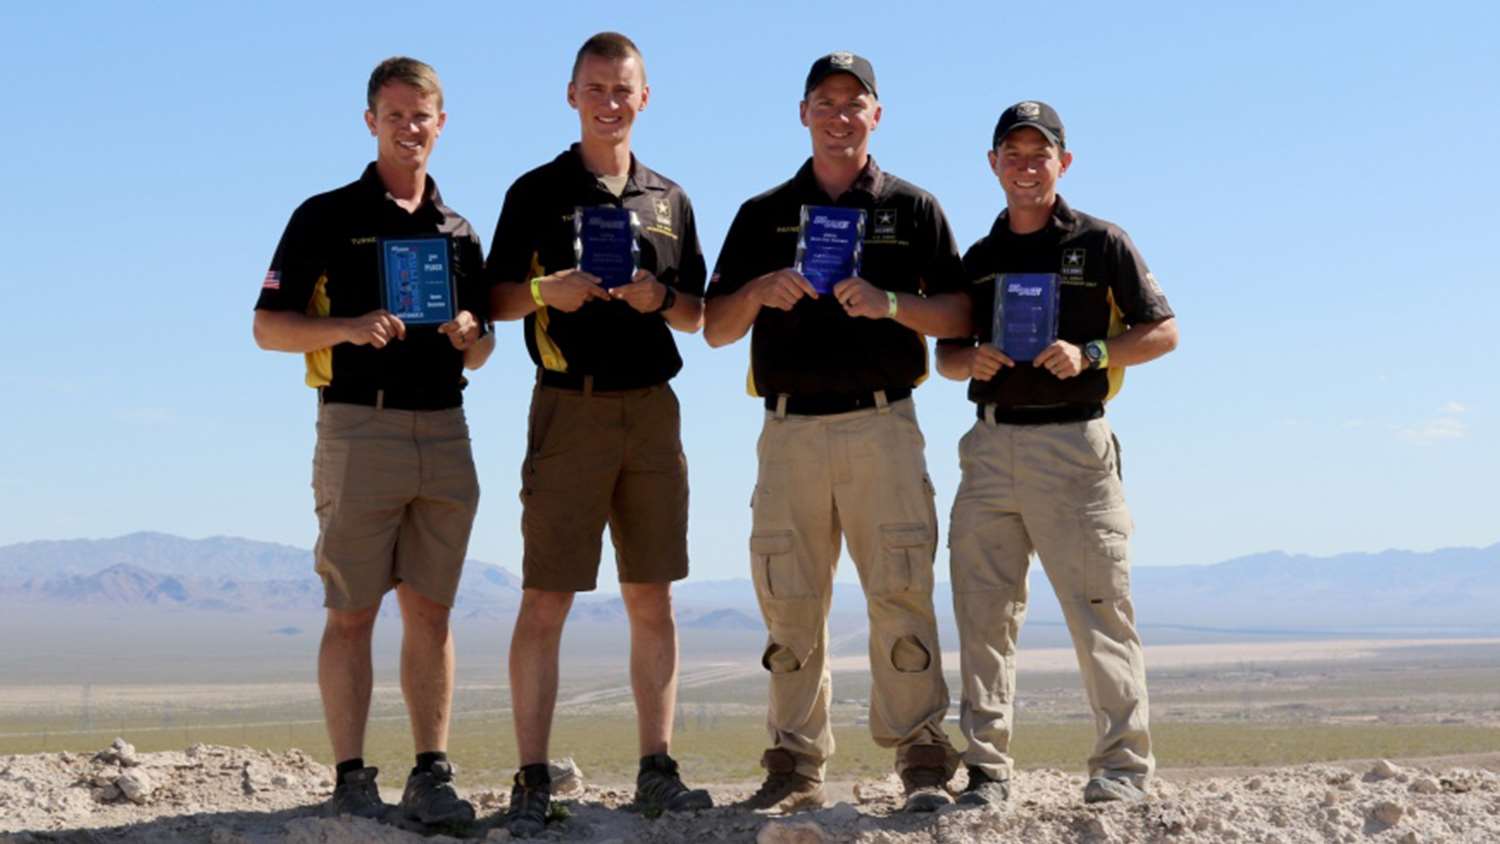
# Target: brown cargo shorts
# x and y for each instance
(597, 458)
(395, 493)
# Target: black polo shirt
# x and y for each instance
(816, 348)
(1105, 288)
(328, 265)
(619, 346)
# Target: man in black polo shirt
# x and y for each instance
(604, 442)
(841, 453)
(393, 479)
(1041, 469)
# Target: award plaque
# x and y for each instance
(606, 243)
(417, 280)
(829, 242)
(1025, 318)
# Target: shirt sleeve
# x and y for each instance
(1137, 294)
(692, 273)
(513, 247)
(736, 264)
(297, 265)
(942, 270)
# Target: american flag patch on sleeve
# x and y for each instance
(272, 282)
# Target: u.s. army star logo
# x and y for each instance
(663, 210)
(1072, 262)
(1028, 111)
(885, 222)
(841, 59)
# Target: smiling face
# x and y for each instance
(406, 123)
(840, 114)
(1028, 167)
(608, 94)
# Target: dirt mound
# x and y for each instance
(224, 795)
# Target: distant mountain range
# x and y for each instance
(1451, 588)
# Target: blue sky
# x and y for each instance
(1313, 184)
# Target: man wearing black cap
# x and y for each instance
(1041, 468)
(841, 453)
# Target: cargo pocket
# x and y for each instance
(774, 567)
(1106, 535)
(905, 559)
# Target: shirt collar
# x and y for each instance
(372, 182)
(641, 177)
(1063, 219)
(869, 181)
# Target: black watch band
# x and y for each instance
(668, 299)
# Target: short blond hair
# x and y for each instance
(407, 71)
(609, 45)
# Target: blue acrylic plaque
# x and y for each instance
(829, 243)
(417, 282)
(1025, 318)
(606, 243)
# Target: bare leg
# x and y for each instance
(653, 662)
(533, 669)
(426, 668)
(345, 677)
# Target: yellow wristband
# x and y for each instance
(891, 314)
(536, 292)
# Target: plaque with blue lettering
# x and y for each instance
(829, 243)
(417, 282)
(606, 243)
(1025, 318)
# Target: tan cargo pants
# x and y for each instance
(860, 475)
(1054, 489)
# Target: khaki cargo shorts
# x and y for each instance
(395, 493)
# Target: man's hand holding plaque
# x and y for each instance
(417, 287)
(781, 289)
(569, 290)
(1025, 318)
(461, 331)
(862, 299)
(644, 293)
(830, 242)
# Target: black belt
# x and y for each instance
(826, 404)
(593, 383)
(1045, 414)
(392, 399)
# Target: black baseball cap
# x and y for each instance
(841, 62)
(1034, 113)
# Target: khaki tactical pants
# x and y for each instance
(860, 475)
(1054, 489)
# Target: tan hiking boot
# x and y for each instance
(784, 788)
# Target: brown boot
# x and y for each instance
(784, 788)
(925, 777)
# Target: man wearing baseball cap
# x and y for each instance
(840, 454)
(1041, 468)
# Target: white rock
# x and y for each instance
(107, 794)
(782, 832)
(1426, 785)
(1388, 812)
(136, 786)
(1384, 770)
(567, 777)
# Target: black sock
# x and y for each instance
(425, 761)
(347, 767)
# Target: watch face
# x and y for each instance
(1092, 352)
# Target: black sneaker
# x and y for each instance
(530, 801)
(984, 791)
(925, 778)
(784, 788)
(1112, 790)
(429, 797)
(357, 795)
(659, 788)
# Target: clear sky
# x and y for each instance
(1313, 184)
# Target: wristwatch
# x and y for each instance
(1095, 354)
(668, 299)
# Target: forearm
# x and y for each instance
(686, 314)
(476, 355)
(728, 318)
(510, 300)
(1143, 342)
(944, 315)
(289, 331)
(955, 362)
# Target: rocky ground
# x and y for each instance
(224, 795)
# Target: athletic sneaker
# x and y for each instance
(983, 791)
(1112, 790)
(925, 778)
(357, 795)
(784, 788)
(658, 787)
(530, 801)
(430, 799)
